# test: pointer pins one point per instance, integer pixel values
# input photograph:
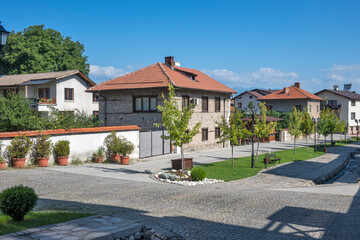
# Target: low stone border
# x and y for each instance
(145, 233)
(188, 183)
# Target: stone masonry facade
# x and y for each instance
(120, 111)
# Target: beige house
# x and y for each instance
(286, 99)
(64, 90)
(132, 99)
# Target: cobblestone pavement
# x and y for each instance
(244, 209)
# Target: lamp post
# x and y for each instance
(357, 130)
(3, 37)
(315, 127)
(252, 111)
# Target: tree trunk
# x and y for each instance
(307, 139)
(182, 159)
(257, 150)
(325, 142)
(232, 155)
(294, 145)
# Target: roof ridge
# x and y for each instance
(167, 76)
(130, 73)
(301, 91)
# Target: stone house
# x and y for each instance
(286, 99)
(63, 90)
(132, 99)
(242, 100)
(345, 103)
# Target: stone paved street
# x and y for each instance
(244, 209)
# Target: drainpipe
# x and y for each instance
(105, 109)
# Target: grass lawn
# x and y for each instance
(37, 219)
(222, 170)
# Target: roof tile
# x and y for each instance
(291, 93)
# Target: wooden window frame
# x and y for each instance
(185, 99)
(42, 90)
(142, 97)
(207, 104)
(351, 114)
(67, 94)
(95, 97)
(207, 134)
(217, 100)
(217, 132)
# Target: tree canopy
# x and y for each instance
(306, 126)
(294, 126)
(37, 49)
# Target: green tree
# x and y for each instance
(294, 125)
(16, 114)
(306, 126)
(328, 123)
(341, 127)
(176, 122)
(231, 130)
(37, 49)
(262, 128)
(284, 124)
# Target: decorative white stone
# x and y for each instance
(187, 183)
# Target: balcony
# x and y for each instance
(335, 107)
(42, 104)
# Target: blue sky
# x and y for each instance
(244, 44)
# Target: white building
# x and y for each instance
(242, 100)
(64, 90)
(345, 103)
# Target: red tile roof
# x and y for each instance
(69, 131)
(289, 93)
(343, 93)
(160, 75)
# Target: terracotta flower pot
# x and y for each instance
(42, 161)
(99, 159)
(62, 161)
(2, 165)
(19, 162)
(125, 160)
(115, 158)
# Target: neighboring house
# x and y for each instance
(132, 99)
(64, 90)
(242, 100)
(346, 105)
(286, 99)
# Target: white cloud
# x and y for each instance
(345, 68)
(106, 72)
(263, 78)
(336, 77)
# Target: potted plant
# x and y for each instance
(43, 147)
(2, 163)
(113, 145)
(18, 149)
(126, 149)
(62, 152)
(99, 155)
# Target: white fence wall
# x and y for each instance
(82, 145)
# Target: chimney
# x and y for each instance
(286, 90)
(297, 84)
(170, 61)
(336, 87)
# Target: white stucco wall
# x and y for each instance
(245, 100)
(82, 146)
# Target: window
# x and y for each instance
(240, 105)
(145, 104)
(205, 104)
(44, 93)
(332, 102)
(353, 103)
(309, 108)
(69, 94)
(353, 116)
(204, 134)
(298, 107)
(217, 132)
(317, 108)
(217, 104)
(269, 107)
(96, 115)
(95, 97)
(185, 101)
(250, 96)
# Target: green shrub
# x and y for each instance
(19, 146)
(43, 145)
(100, 152)
(62, 148)
(198, 174)
(17, 201)
(127, 147)
(113, 143)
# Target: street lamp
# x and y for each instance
(252, 111)
(315, 127)
(357, 130)
(3, 36)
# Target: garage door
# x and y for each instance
(151, 144)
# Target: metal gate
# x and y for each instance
(151, 144)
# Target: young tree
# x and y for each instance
(261, 127)
(328, 123)
(37, 49)
(294, 125)
(231, 130)
(176, 122)
(341, 127)
(306, 126)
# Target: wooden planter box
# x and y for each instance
(176, 164)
